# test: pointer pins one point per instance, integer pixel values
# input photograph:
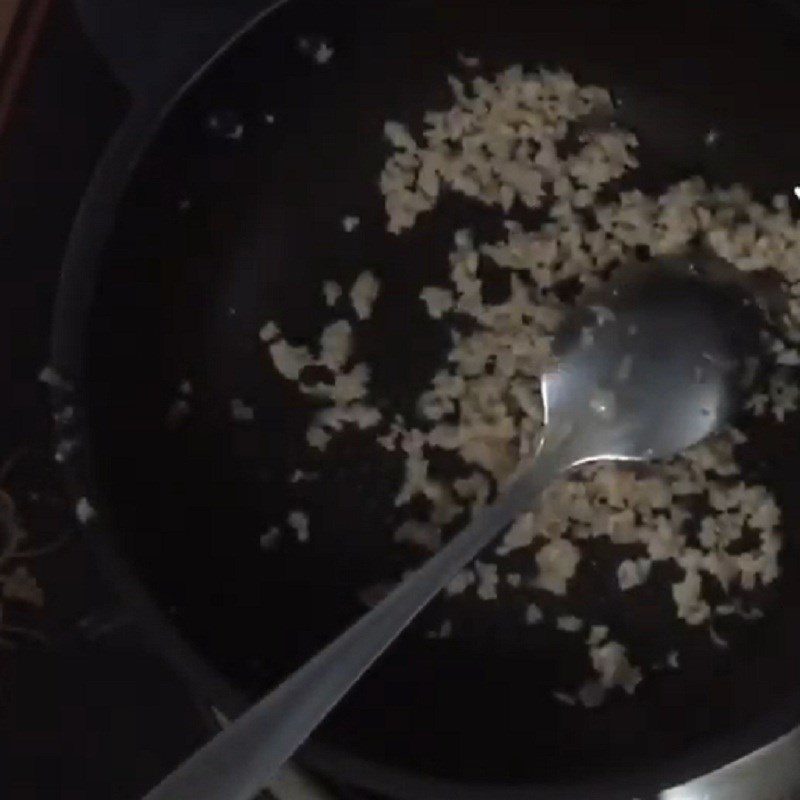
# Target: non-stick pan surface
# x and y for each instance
(220, 232)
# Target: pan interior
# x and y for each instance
(184, 291)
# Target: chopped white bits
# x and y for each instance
(533, 614)
(688, 596)
(84, 511)
(603, 314)
(364, 293)
(300, 475)
(331, 291)
(444, 631)
(625, 368)
(178, 411)
(520, 534)
(569, 623)
(557, 561)
(51, 377)
(486, 575)
(336, 344)
(611, 663)
(716, 639)
(751, 614)
(461, 582)
(350, 223)
(711, 137)
(673, 659)
(468, 147)
(714, 534)
(398, 136)
(64, 416)
(472, 62)
(336, 417)
(268, 118)
(298, 521)
(269, 332)
(474, 489)
(439, 301)
(592, 694)
(64, 449)
(319, 50)
(240, 412)
(632, 573)
(290, 361)
(422, 534)
(597, 635)
(269, 539)
(324, 53)
(344, 391)
(317, 437)
(788, 358)
(225, 124)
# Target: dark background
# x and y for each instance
(86, 713)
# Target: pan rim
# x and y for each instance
(78, 279)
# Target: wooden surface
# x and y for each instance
(8, 9)
(25, 18)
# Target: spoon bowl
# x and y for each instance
(654, 363)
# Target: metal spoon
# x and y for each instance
(652, 365)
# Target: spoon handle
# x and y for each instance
(242, 759)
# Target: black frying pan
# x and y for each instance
(154, 293)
